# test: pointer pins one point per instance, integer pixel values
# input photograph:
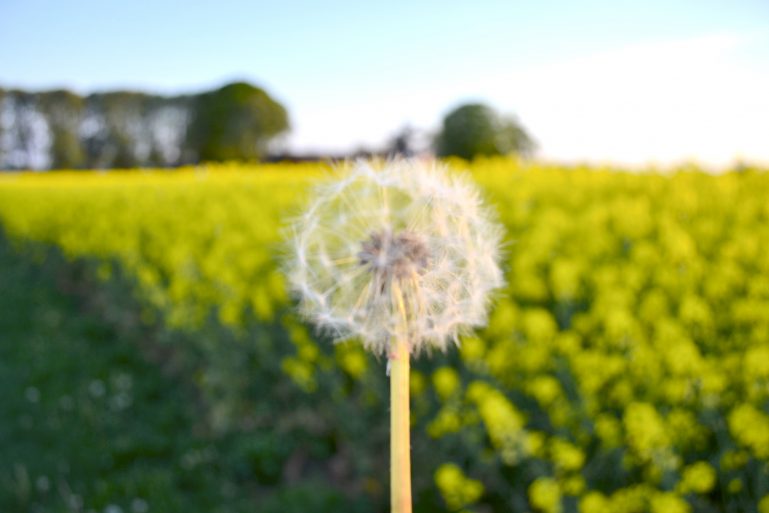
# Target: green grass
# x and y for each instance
(87, 421)
(98, 414)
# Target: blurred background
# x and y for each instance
(151, 359)
(94, 84)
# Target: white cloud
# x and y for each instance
(659, 102)
(698, 99)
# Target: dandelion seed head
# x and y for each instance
(402, 250)
(394, 256)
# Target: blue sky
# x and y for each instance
(631, 82)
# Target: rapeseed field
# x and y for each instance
(625, 367)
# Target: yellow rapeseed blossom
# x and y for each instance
(750, 427)
(446, 382)
(668, 502)
(456, 488)
(763, 504)
(566, 456)
(545, 495)
(595, 502)
(645, 430)
(698, 477)
(503, 422)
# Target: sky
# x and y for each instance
(601, 81)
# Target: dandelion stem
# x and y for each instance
(400, 437)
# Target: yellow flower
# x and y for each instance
(457, 489)
(545, 495)
(699, 477)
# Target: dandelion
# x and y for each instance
(403, 251)
(403, 257)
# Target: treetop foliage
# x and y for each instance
(475, 129)
(60, 129)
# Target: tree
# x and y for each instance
(476, 129)
(130, 128)
(402, 143)
(63, 111)
(235, 123)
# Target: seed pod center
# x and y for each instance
(394, 255)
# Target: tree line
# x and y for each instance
(63, 130)
(60, 129)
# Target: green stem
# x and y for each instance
(400, 436)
